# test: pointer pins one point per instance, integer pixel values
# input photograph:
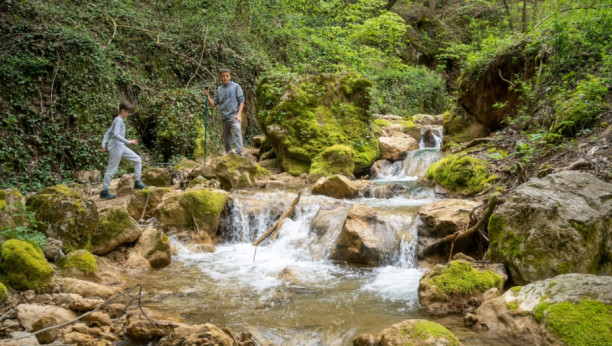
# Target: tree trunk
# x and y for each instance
(524, 16)
(507, 8)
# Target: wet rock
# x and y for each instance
(154, 245)
(125, 186)
(48, 336)
(330, 218)
(139, 198)
(570, 309)
(23, 266)
(336, 186)
(365, 238)
(116, 227)
(430, 136)
(455, 288)
(410, 332)
(396, 147)
(53, 250)
(197, 210)
(139, 326)
(136, 264)
(66, 214)
(87, 289)
(235, 171)
(27, 314)
(554, 225)
(159, 177)
(25, 339)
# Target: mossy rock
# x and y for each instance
(81, 261)
(197, 181)
(203, 207)
(235, 171)
(154, 245)
(115, 227)
(410, 332)
(303, 117)
(139, 198)
(24, 267)
(455, 287)
(463, 174)
(9, 198)
(3, 292)
(337, 159)
(157, 177)
(186, 165)
(66, 215)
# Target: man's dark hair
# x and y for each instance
(225, 69)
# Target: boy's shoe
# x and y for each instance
(138, 185)
(104, 194)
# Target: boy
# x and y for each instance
(230, 99)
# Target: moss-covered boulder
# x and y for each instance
(115, 227)
(235, 171)
(194, 210)
(555, 225)
(455, 288)
(79, 261)
(410, 332)
(139, 199)
(23, 266)
(393, 125)
(302, 117)
(65, 214)
(3, 292)
(9, 198)
(154, 245)
(462, 174)
(157, 177)
(337, 159)
(186, 165)
(569, 309)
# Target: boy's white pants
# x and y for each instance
(116, 151)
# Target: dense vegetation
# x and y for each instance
(64, 66)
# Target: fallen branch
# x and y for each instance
(279, 223)
(433, 248)
(576, 166)
(474, 142)
(144, 209)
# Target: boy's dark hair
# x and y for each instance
(225, 69)
(123, 105)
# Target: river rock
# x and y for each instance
(29, 313)
(66, 214)
(139, 326)
(159, 177)
(554, 225)
(300, 120)
(428, 119)
(115, 227)
(53, 250)
(410, 332)
(23, 266)
(396, 147)
(139, 198)
(203, 207)
(79, 262)
(336, 186)
(365, 238)
(569, 309)
(445, 217)
(87, 289)
(200, 334)
(235, 171)
(136, 264)
(154, 245)
(76, 302)
(330, 218)
(455, 288)
(125, 186)
(48, 336)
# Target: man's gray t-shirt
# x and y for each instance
(228, 98)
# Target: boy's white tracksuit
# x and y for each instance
(117, 148)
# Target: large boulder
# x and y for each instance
(154, 245)
(336, 186)
(366, 238)
(570, 309)
(114, 228)
(555, 225)
(461, 174)
(194, 210)
(337, 159)
(456, 287)
(235, 171)
(157, 177)
(303, 117)
(65, 214)
(410, 332)
(23, 266)
(139, 199)
(396, 147)
(30, 313)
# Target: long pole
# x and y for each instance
(205, 127)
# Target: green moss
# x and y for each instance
(112, 222)
(423, 330)
(459, 278)
(516, 289)
(408, 125)
(337, 159)
(504, 243)
(24, 266)
(586, 323)
(81, 260)
(512, 306)
(3, 292)
(196, 181)
(464, 174)
(381, 122)
(203, 202)
(186, 164)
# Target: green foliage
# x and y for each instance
(3, 292)
(25, 230)
(584, 323)
(459, 279)
(458, 173)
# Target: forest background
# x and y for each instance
(540, 70)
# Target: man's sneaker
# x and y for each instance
(138, 185)
(104, 194)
